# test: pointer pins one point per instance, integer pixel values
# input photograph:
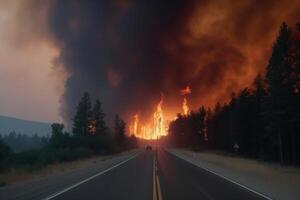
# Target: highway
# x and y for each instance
(182, 180)
(156, 175)
(137, 175)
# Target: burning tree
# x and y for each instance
(98, 126)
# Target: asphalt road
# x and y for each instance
(131, 180)
(182, 180)
(152, 175)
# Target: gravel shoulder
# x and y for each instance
(39, 184)
(272, 180)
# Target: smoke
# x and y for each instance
(126, 52)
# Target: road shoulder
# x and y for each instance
(272, 180)
(47, 184)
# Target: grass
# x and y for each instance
(16, 175)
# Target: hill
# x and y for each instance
(9, 124)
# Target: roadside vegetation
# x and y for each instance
(20, 142)
(261, 122)
(90, 136)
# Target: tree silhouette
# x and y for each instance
(98, 121)
(57, 138)
(277, 76)
(120, 127)
(83, 116)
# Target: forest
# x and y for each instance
(20, 142)
(261, 121)
(90, 136)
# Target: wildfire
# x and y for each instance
(186, 91)
(135, 125)
(159, 121)
(158, 124)
(185, 106)
(153, 130)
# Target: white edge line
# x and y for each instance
(88, 179)
(228, 179)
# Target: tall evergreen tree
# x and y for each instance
(98, 121)
(293, 86)
(120, 127)
(57, 130)
(5, 153)
(57, 137)
(259, 94)
(277, 76)
(83, 116)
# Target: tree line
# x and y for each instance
(262, 121)
(90, 136)
(20, 142)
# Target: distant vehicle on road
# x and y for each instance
(148, 147)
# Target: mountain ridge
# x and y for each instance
(29, 127)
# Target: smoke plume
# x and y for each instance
(126, 52)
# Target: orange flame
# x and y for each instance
(158, 125)
(185, 106)
(186, 91)
(135, 125)
(153, 130)
(159, 121)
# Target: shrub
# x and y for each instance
(5, 153)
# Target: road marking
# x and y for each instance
(156, 185)
(158, 188)
(228, 179)
(154, 181)
(88, 179)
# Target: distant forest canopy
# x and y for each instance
(261, 122)
(90, 136)
(21, 142)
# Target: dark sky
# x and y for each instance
(127, 52)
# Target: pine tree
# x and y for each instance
(294, 91)
(277, 76)
(120, 127)
(98, 121)
(83, 116)
(259, 94)
(57, 137)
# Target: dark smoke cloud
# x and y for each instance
(126, 52)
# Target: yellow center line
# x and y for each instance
(154, 181)
(156, 184)
(158, 188)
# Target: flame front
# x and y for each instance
(158, 125)
(186, 91)
(153, 130)
(159, 122)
